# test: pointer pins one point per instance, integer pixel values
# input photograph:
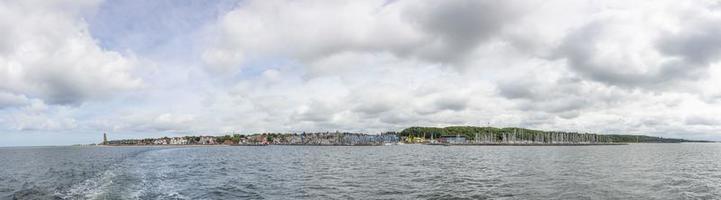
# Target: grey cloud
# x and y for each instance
(398, 118)
(654, 121)
(453, 103)
(569, 114)
(60, 89)
(458, 26)
(702, 120)
(517, 90)
(440, 104)
(433, 31)
(374, 101)
(12, 100)
(685, 55)
(565, 97)
(536, 119)
(697, 44)
(571, 103)
(579, 50)
(73, 83)
(372, 108)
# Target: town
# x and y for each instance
(455, 135)
(321, 139)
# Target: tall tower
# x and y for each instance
(105, 139)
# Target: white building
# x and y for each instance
(206, 140)
(160, 141)
(178, 140)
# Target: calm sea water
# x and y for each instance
(643, 171)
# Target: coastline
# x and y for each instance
(163, 145)
(343, 145)
(598, 144)
(226, 145)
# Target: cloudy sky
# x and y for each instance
(73, 69)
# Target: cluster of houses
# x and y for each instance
(332, 138)
(187, 140)
(325, 138)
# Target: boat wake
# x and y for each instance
(92, 188)
(106, 184)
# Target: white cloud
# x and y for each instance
(650, 45)
(35, 115)
(310, 30)
(47, 53)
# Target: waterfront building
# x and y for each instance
(206, 140)
(295, 139)
(258, 139)
(160, 141)
(452, 139)
(412, 139)
(179, 141)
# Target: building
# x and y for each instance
(258, 139)
(206, 140)
(412, 139)
(452, 139)
(179, 140)
(160, 141)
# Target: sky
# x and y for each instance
(71, 70)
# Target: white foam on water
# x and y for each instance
(150, 170)
(92, 188)
(99, 187)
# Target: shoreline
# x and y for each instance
(161, 145)
(226, 145)
(342, 145)
(599, 144)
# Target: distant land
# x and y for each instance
(470, 131)
(452, 135)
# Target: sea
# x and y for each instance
(635, 171)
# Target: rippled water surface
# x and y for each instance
(643, 171)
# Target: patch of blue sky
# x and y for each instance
(160, 28)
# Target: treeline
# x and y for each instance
(235, 138)
(467, 131)
(504, 134)
(648, 139)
